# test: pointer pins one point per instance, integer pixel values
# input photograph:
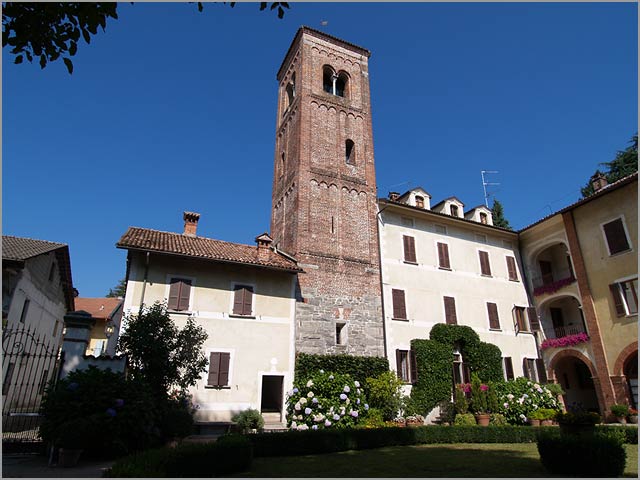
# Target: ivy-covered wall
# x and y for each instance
(358, 367)
(434, 362)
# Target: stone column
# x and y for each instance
(78, 327)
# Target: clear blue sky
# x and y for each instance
(171, 110)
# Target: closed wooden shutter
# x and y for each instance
(525, 368)
(494, 321)
(238, 300)
(534, 322)
(542, 373)
(485, 268)
(511, 268)
(414, 366)
(616, 237)
(399, 306)
(617, 299)
(508, 368)
(174, 294)
(247, 302)
(409, 248)
(443, 255)
(450, 311)
(223, 378)
(185, 292)
(214, 369)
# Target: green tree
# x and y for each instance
(119, 290)
(48, 31)
(160, 353)
(625, 163)
(497, 212)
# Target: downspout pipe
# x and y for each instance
(144, 282)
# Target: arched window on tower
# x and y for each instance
(291, 89)
(333, 83)
(341, 85)
(328, 79)
(350, 152)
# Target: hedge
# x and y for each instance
(434, 362)
(229, 454)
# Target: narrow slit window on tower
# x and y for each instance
(282, 165)
(350, 152)
(333, 224)
(341, 334)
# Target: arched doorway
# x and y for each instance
(575, 378)
(631, 372)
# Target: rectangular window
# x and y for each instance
(419, 201)
(218, 369)
(542, 372)
(534, 321)
(494, 321)
(508, 368)
(461, 371)
(340, 334)
(519, 320)
(441, 229)
(409, 244)
(529, 368)
(406, 367)
(454, 210)
(483, 217)
(450, 311)
(242, 300)
(179, 294)
(511, 269)
(481, 238)
(399, 305)
(625, 297)
(25, 310)
(615, 236)
(443, 256)
(485, 268)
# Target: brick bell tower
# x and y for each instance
(324, 194)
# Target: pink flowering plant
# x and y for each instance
(326, 400)
(553, 286)
(566, 341)
(519, 398)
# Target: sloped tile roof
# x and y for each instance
(98, 307)
(18, 248)
(201, 247)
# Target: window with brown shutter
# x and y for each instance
(625, 297)
(399, 306)
(616, 236)
(534, 322)
(243, 300)
(519, 321)
(511, 268)
(409, 245)
(508, 368)
(443, 256)
(525, 369)
(402, 365)
(485, 268)
(179, 294)
(413, 366)
(450, 311)
(218, 369)
(494, 321)
(542, 373)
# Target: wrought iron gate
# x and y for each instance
(30, 360)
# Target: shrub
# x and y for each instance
(497, 419)
(464, 419)
(547, 413)
(433, 361)
(374, 419)
(536, 415)
(385, 394)
(520, 397)
(555, 389)
(600, 455)
(176, 415)
(249, 419)
(619, 410)
(577, 418)
(325, 400)
(478, 395)
(461, 403)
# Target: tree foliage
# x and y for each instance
(625, 163)
(119, 290)
(497, 213)
(162, 354)
(48, 31)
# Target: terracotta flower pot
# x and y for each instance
(622, 420)
(534, 422)
(482, 419)
(546, 423)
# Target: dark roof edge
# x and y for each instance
(319, 34)
(609, 188)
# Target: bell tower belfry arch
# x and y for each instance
(324, 194)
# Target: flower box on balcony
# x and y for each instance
(567, 341)
(553, 286)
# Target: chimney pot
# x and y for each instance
(190, 223)
(263, 241)
(598, 181)
(394, 196)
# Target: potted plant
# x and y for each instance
(577, 422)
(620, 412)
(415, 421)
(249, 421)
(400, 422)
(72, 439)
(633, 416)
(548, 415)
(536, 417)
(479, 401)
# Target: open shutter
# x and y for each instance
(508, 368)
(516, 324)
(511, 268)
(617, 299)
(238, 300)
(450, 311)
(494, 321)
(174, 294)
(214, 368)
(185, 292)
(409, 244)
(247, 301)
(399, 363)
(534, 322)
(223, 379)
(542, 373)
(399, 306)
(414, 366)
(485, 268)
(525, 368)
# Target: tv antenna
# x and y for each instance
(485, 184)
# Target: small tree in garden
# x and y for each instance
(462, 405)
(385, 394)
(492, 399)
(478, 395)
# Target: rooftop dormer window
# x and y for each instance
(419, 201)
(483, 218)
(454, 210)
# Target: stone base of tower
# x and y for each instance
(320, 315)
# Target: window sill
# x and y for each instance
(400, 319)
(233, 315)
(218, 387)
(514, 280)
(495, 329)
(444, 268)
(179, 312)
(486, 276)
(620, 253)
(410, 263)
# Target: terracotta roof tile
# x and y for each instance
(201, 247)
(18, 248)
(98, 307)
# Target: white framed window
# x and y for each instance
(219, 374)
(243, 299)
(625, 296)
(616, 236)
(179, 293)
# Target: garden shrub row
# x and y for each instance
(308, 365)
(229, 454)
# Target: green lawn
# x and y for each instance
(453, 460)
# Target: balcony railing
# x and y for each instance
(568, 330)
(552, 283)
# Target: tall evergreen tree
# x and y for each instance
(625, 163)
(497, 213)
(119, 290)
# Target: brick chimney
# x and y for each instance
(598, 181)
(394, 196)
(190, 223)
(264, 242)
